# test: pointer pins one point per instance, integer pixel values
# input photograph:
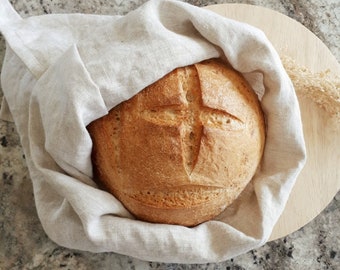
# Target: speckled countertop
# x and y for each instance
(23, 243)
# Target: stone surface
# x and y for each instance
(23, 243)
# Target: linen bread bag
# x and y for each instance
(62, 72)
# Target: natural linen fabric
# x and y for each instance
(63, 71)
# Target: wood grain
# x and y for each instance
(319, 181)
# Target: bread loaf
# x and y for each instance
(183, 149)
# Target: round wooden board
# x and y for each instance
(319, 181)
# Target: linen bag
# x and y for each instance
(62, 71)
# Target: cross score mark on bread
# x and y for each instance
(192, 115)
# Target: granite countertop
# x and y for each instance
(23, 243)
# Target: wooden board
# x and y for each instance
(319, 181)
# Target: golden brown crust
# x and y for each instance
(182, 149)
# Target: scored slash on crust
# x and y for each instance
(191, 116)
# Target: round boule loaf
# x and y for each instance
(182, 149)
